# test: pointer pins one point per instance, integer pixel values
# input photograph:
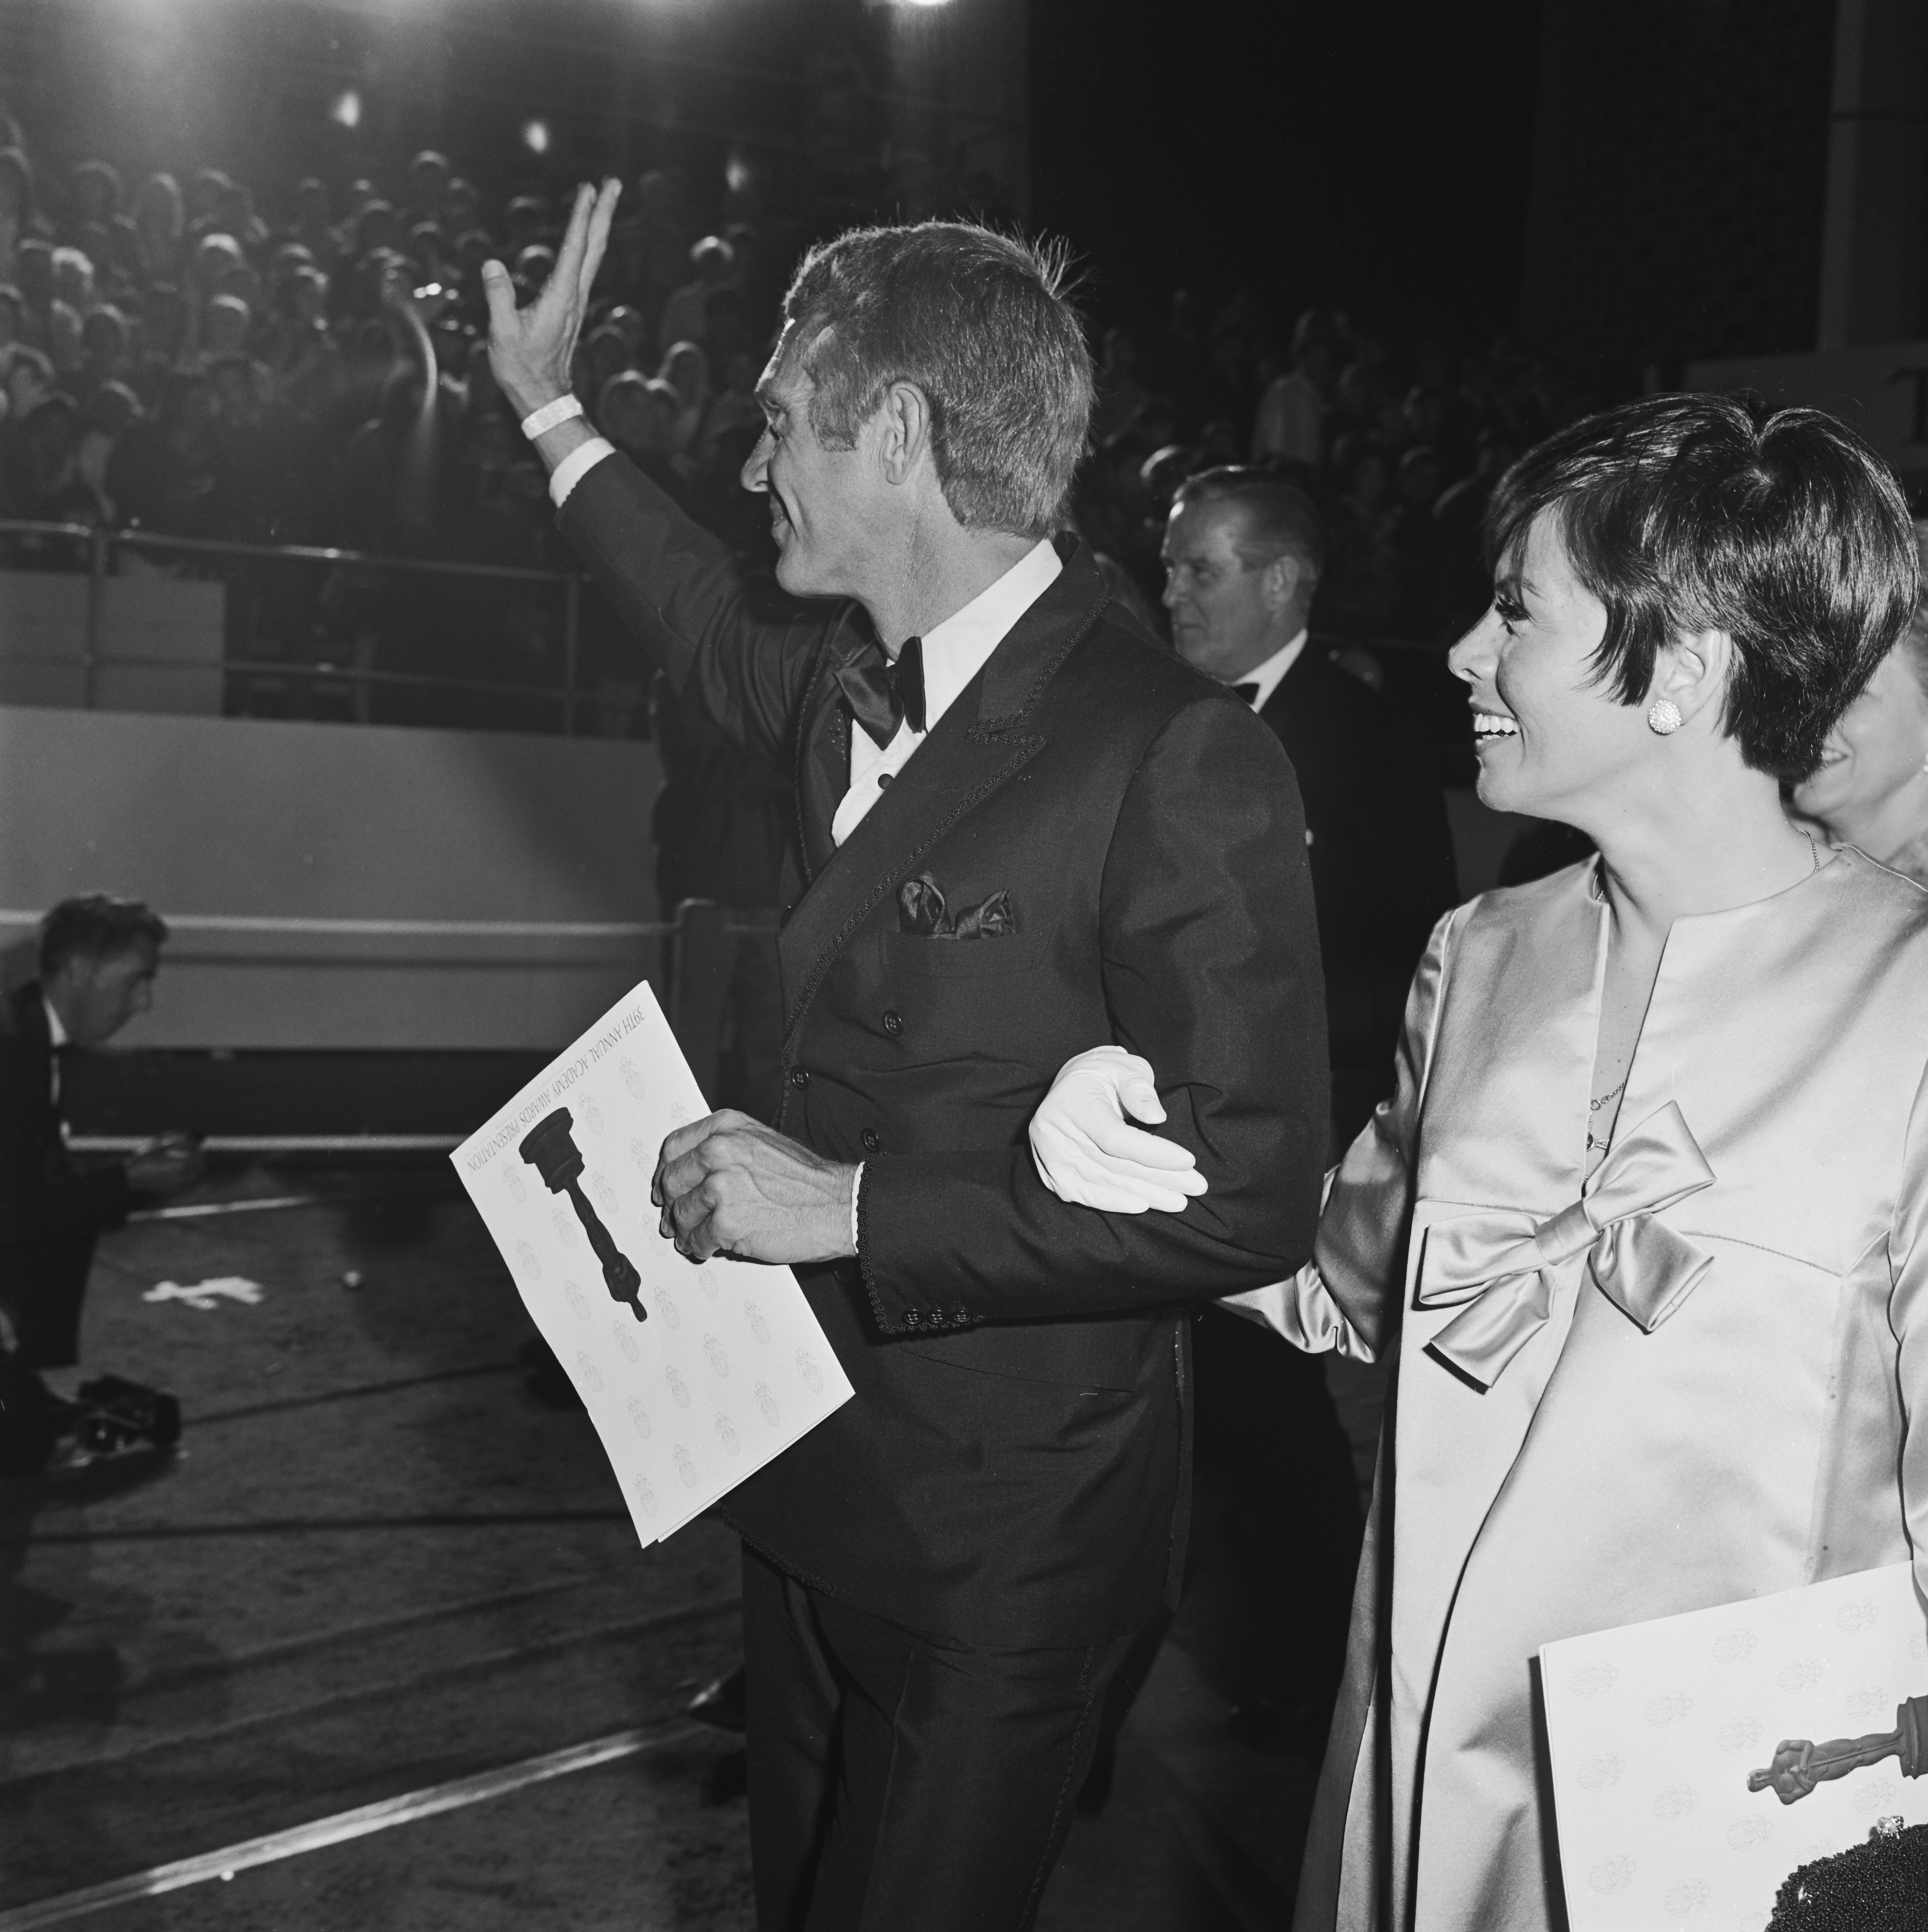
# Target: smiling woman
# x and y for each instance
(1645, 1225)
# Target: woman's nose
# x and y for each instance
(1473, 656)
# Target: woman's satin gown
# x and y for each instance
(1701, 1375)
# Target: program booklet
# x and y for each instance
(1656, 1729)
(695, 1375)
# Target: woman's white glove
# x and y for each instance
(1087, 1154)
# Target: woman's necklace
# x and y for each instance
(1597, 1142)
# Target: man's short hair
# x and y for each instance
(1690, 513)
(983, 325)
(97, 926)
(1279, 519)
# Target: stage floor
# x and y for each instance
(379, 1568)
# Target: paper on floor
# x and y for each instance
(207, 1294)
(1655, 1727)
(730, 1368)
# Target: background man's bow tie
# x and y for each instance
(1249, 692)
(882, 695)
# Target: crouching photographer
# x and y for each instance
(98, 957)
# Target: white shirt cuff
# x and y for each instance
(571, 470)
(856, 1187)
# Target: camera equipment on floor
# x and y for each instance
(117, 1414)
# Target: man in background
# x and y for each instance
(98, 957)
(1243, 550)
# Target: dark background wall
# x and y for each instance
(1372, 154)
(1680, 174)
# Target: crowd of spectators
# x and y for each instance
(184, 359)
(1399, 442)
(194, 360)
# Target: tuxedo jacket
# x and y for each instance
(1013, 1470)
(1381, 850)
(46, 1196)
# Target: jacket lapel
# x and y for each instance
(823, 753)
(979, 745)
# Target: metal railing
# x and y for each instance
(355, 668)
(561, 699)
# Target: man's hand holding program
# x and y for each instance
(729, 1185)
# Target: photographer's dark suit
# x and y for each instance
(1012, 1475)
(52, 1206)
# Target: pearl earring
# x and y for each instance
(1663, 718)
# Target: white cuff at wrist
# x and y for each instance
(570, 471)
(856, 1187)
(549, 415)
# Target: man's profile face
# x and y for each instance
(822, 501)
(1225, 612)
(96, 996)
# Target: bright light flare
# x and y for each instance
(535, 137)
(346, 112)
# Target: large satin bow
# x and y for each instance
(1501, 1265)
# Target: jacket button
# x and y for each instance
(873, 1140)
(799, 1076)
(893, 1024)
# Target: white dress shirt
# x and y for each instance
(1269, 675)
(58, 1034)
(954, 652)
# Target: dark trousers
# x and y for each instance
(899, 1780)
(1275, 1482)
(42, 1285)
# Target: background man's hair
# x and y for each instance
(982, 324)
(96, 926)
(1691, 513)
(1279, 519)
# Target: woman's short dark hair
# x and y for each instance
(1691, 513)
(982, 323)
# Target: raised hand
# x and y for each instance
(530, 349)
(1087, 1154)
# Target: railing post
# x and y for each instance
(96, 599)
(572, 611)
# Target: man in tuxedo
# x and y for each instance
(98, 957)
(1023, 828)
(1243, 550)
(1243, 553)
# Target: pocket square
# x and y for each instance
(922, 909)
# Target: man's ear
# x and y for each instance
(1692, 670)
(1283, 576)
(906, 414)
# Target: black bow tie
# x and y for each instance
(882, 695)
(1249, 692)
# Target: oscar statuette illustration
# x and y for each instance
(549, 1148)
